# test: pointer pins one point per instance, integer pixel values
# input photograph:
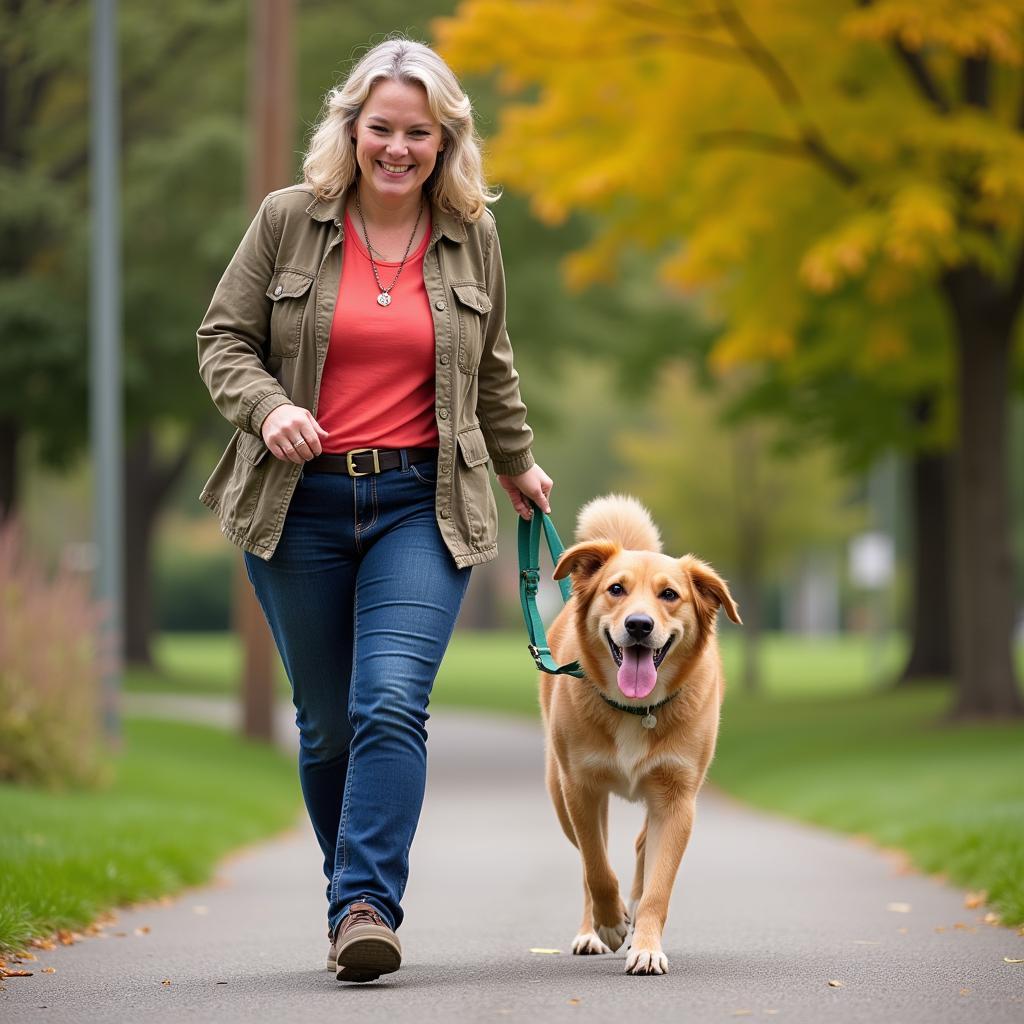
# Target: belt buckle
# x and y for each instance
(350, 466)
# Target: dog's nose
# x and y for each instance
(639, 626)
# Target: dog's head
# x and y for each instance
(642, 607)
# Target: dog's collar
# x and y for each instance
(649, 721)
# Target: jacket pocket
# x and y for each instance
(473, 489)
(242, 488)
(473, 305)
(287, 290)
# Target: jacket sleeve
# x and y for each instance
(500, 408)
(233, 336)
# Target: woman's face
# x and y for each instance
(397, 140)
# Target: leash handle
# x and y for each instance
(530, 532)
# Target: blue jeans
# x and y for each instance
(361, 596)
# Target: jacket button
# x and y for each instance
(441, 304)
(445, 360)
(443, 413)
(278, 290)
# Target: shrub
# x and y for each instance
(50, 672)
(193, 589)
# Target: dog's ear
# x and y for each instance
(583, 560)
(710, 591)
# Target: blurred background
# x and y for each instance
(764, 267)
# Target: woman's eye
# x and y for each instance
(668, 594)
(616, 589)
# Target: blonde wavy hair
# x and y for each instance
(456, 182)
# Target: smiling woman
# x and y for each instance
(357, 481)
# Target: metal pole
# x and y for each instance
(106, 413)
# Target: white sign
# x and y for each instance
(872, 560)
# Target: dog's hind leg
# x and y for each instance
(638, 874)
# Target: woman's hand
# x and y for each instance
(292, 434)
(534, 484)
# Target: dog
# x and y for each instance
(644, 720)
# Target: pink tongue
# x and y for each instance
(637, 674)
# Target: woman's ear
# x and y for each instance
(711, 592)
(583, 560)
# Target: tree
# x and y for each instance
(733, 494)
(829, 183)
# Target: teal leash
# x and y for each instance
(529, 580)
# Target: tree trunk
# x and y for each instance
(983, 607)
(931, 652)
(10, 434)
(148, 483)
(750, 552)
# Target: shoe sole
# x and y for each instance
(366, 959)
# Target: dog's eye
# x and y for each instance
(616, 590)
(668, 594)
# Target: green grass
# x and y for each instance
(182, 797)
(888, 766)
(823, 743)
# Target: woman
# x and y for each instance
(357, 341)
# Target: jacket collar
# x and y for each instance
(444, 222)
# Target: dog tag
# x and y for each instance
(648, 721)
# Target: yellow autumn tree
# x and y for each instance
(822, 174)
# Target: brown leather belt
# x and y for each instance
(366, 461)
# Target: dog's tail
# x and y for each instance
(618, 518)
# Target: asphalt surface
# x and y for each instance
(765, 914)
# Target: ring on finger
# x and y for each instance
(301, 440)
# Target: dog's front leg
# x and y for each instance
(605, 922)
(667, 833)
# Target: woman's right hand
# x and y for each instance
(292, 434)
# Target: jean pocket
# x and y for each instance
(425, 472)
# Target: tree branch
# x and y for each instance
(975, 73)
(789, 96)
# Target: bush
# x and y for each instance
(193, 589)
(50, 672)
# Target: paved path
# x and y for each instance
(765, 912)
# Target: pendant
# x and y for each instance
(648, 721)
(384, 299)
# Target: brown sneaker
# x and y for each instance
(364, 947)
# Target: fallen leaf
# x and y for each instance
(973, 900)
(43, 943)
(835, 983)
(221, 983)
(166, 981)
(1012, 960)
(538, 949)
(965, 991)
(13, 972)
(49, 970)
(27, 956)
(67, 938)
(574, 1002)
(898, 908)
(144, 930)
(991, 918)
(960, 926)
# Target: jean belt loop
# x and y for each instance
(405, 458)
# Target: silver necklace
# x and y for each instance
(384, 299)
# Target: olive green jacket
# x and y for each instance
(264, 340)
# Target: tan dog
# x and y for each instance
(642, 626)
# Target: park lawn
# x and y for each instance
(887, 765)
(181, 797)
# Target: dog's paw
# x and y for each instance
(588, 944)
(646, 961)
(614, 935)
